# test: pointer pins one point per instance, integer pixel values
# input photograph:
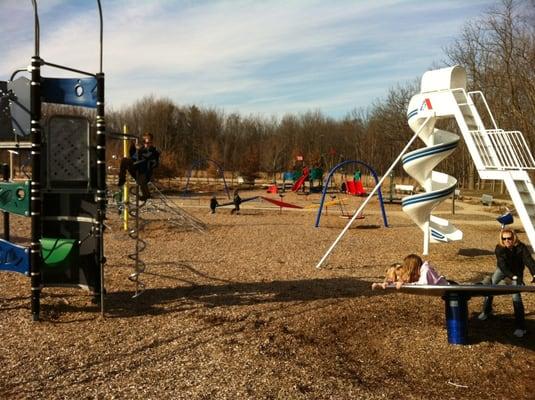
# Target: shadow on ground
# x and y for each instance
(167, 300)
(499, 328)
(475, 252)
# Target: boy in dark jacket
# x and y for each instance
(143, 159)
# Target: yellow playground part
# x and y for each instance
(327, 203)
(125, 187)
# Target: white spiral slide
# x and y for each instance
(420, 163)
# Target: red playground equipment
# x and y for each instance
(355, 188)
(301, 180)
(273, 189)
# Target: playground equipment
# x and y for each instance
(160, 205)
(497, 154)
(309, 175)
(122, 198)
(280, 203)
(440, 144)
(287, 176)
(301, 180)
(354, 186)
(359, 212)
(67, 204)
(506, 218)
(456, 299)
(200, 162)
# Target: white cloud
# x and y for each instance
(218, 52)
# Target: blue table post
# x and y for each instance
(456, 317)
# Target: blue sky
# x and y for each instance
(262, 57)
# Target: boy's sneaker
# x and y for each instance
(520, 333)
(483, 316)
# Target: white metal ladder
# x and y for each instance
(501, 155)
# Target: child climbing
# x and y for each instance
(144, 158)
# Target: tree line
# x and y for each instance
(497, 50)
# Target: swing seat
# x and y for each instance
(360, 216)
(57, 252)
(505, 219)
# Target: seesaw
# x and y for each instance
(456, 302)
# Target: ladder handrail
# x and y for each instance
(497, 148)
(479, 92)
(511, 149)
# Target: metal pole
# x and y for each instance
(11, 152)
(126, 189)
(5, 176)
(101, 164)
(35, 183)
(101, 184)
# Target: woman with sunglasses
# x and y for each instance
(511, 257)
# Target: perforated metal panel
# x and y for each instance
(68, 151)
(6, 129)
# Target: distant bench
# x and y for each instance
(404, 189)
(486, 199)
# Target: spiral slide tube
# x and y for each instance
(420, 165)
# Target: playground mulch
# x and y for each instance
(240, 312)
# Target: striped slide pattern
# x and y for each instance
(420, 165)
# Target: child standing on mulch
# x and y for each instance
(237, 202)
(213, 204)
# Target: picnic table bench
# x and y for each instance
(486, 199)
(404, 189)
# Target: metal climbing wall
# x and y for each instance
(69, 207)
(68, 153)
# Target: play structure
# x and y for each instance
(329, 177)
(66, 195)
(497, 154)
(198, 163)
(136, 214)
(307, 174)
(456, 299)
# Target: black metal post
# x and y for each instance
(35, 186)
(101, 183)
(5, 176)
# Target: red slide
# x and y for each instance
(301, 180)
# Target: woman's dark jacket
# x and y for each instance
(512, 261)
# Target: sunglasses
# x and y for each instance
(507, 238)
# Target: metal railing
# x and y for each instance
(509, 147)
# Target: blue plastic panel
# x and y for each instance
(14, 258)
(75, 92)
